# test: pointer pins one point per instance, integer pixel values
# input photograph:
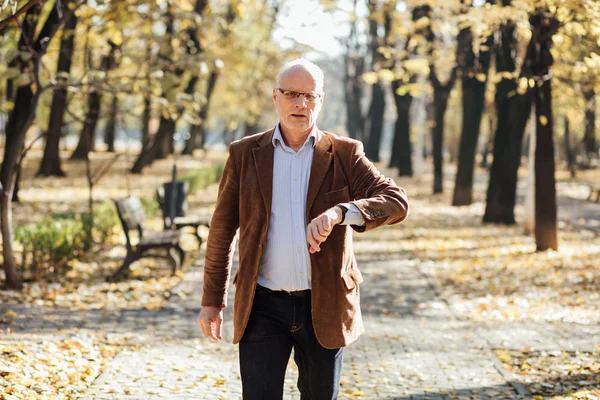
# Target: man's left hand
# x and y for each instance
(319, 228)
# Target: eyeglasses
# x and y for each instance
(293, 95)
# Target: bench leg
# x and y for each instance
(198, 237)
(181, 254)
(175, 258)
(129, 259)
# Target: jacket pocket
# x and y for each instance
(338, 196)
(352, 278)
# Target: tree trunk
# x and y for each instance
(475, 68)
(529, 220)
(19, 121)
(149, 153)
(88, 133)
(401, 147)
(50, 165)
(568, 148)
(440, 102)
(590, 124)
(15, 196)
(545, 183)
(167, 144)
(513, 113)
(197, 138)
(353, 94)
(354, 120)
(473, 103)
(111, 125)
(375, 122)
(146, 119)
(194, 142)
(537, 65)
(13, 278)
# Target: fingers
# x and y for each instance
(314, 236)
(317, 232)
(312, 241)
(217, 327)
(211, 323)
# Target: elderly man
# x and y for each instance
(294, 192)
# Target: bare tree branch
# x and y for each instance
(26, 150)
(13, 18)
(104, 169)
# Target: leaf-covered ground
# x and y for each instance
(52, 369)
(493, 272)
(556, 375)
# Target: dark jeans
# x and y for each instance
(278, 323)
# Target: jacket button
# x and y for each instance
(260, 246)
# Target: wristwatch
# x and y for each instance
(344, 210)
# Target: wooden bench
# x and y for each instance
(132, 216)
(163, 195)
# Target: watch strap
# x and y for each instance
(344, 210)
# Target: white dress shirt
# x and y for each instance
(285, 263)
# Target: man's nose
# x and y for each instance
(301, 101)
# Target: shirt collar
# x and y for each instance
(313, 135)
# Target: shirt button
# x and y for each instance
(295, 201)
(298, 249)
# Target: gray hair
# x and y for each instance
(302, 63)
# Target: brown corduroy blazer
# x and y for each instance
(340, 173)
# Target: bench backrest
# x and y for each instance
(132, 215)
(164, 195)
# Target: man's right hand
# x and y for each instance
(210, 320)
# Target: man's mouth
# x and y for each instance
(298, 115)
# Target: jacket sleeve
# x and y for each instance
(220, 245)
(379, 199)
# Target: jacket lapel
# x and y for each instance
(263, 161)
(320, 165)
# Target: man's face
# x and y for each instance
(297, 115)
